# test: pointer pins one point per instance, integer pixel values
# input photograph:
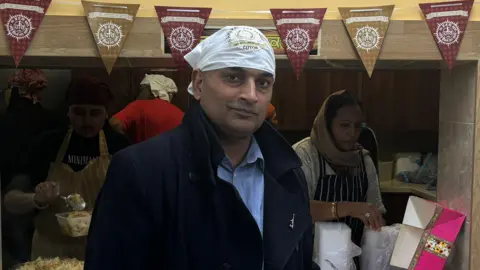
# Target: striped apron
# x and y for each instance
(344, 188)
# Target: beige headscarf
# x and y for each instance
(322, 140)
(160, 86)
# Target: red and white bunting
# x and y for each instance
(21, 20)
(447, 22)
(183, 28)
(298, 29)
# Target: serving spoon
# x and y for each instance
(75, 202)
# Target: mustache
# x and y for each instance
(246, 109)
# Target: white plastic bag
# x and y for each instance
(377, 247)
(342, 259)
(333, 247)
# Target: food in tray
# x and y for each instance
(77, 214)
(75, 223)
(52, 264)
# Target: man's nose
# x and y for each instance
(249, 90)
(351, 131)
(87, 119)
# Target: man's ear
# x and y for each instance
(197, 83)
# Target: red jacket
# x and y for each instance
(144, 119)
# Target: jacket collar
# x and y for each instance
(207, 153)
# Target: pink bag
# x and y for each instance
(427, 235)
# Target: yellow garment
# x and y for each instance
(48, 240)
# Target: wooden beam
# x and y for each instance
(70, 37)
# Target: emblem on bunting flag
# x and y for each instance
(367, 38)
(183, 28)
(19, 27)
(367, 27)
(448, 33)
(297, 40)
(21, 19)
(182, 39)
(109, 35)
(298, 29)
(110, 24)
(447, 22)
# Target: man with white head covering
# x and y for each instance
(223, 190)
(152, 113)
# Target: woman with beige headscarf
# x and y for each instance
(341, 176)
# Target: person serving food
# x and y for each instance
(341, 176)
(64, 162)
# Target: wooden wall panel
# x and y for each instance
(125, 84)
(391, 99)
(401, 105)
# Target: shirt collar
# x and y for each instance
(254, 155)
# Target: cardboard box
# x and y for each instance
(385, 171)
(426, 236)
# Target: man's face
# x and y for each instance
(234, 99)
(87, 120)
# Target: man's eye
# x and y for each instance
(264, 84)
(79, 112)
(95, 113)
(233, 78)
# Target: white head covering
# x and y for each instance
(160, 86)
(233, 46)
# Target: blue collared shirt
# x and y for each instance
(248, 179)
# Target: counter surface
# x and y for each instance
(420, 190)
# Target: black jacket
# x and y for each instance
(163, 207)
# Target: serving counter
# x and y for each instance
(420, 190)
(395, 196)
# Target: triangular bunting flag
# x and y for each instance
(367, 27)
(183, 28)
(110, 24)
(21, 20)
(447, 22)
(298, 29)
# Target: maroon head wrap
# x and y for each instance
(89, 90)
(29, 83)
